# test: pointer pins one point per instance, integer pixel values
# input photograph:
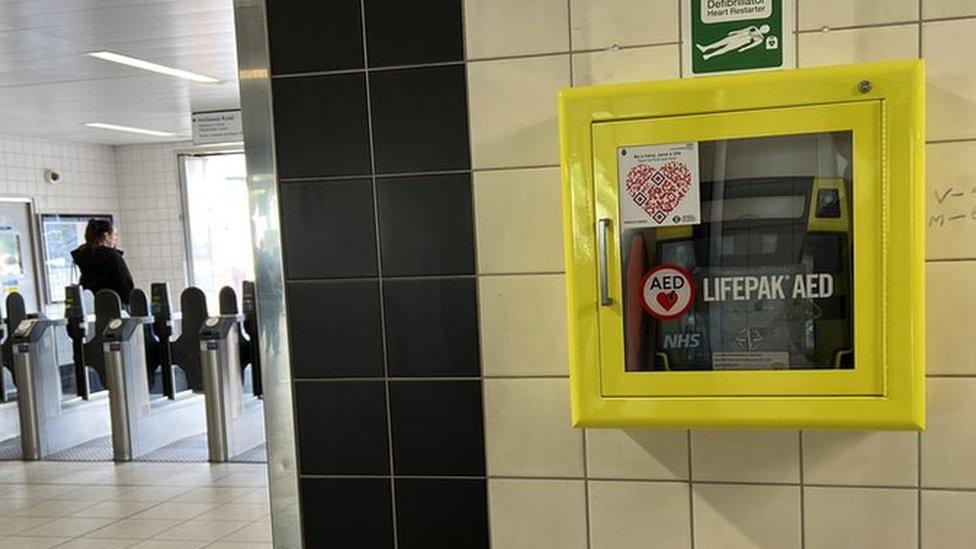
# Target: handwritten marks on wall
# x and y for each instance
(950, 196)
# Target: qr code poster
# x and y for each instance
(659, 185)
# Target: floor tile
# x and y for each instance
(201, 530)
(237, 511)
(258, 532)
(154, 494)
(31, 543)
(52, 508)
(213, 494)
(67, 527)
(136, 529)
(90, 543)
(163, 544)
(114, 509)
(257, 495)
(176, 511)
(10, 526)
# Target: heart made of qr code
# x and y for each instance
(658, 191)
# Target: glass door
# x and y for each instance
(217, 223)
(729, 245)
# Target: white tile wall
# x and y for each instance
(749, 489)
(138, 185)
(88, 183)
(746, 516)
(860, 517)
(816, 14)
(151, 208)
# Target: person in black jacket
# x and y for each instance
(101, 264)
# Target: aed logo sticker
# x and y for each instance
(667, 291)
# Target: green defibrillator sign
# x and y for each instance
(737, 35)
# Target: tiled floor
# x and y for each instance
(137, 505)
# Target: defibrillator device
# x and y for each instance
(748, 250)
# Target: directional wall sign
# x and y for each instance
(213, 127)
(723, 36)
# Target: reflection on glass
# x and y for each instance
(11, 264)
(768, 269)
(220, 231)
(60, 235)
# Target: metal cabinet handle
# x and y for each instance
(603, 225)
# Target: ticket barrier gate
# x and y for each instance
(143, 422)
(9, 427)
(49, 423)
(84, 341)
(235, 421)
(9, 422)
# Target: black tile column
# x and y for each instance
(373, 163)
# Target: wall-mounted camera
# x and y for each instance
(51, 176)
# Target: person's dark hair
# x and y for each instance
(95, 232)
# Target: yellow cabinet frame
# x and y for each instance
(883, 106)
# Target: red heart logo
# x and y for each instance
(667, 300)
(659, 191)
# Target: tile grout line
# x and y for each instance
(411, 278)
(918, 481)
(826, 29)
(803, 520)
(691, 492)
(681, 63)
(803, 523)
(796, 484)
(691, 484)
(407, 278)
(286, 180)
(796, 34)
(920, 29)
(477, 282)
(468, 61)
(586, 473)
(379, 275)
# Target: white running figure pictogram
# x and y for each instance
(738, 40)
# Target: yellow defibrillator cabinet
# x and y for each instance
(747, 251)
